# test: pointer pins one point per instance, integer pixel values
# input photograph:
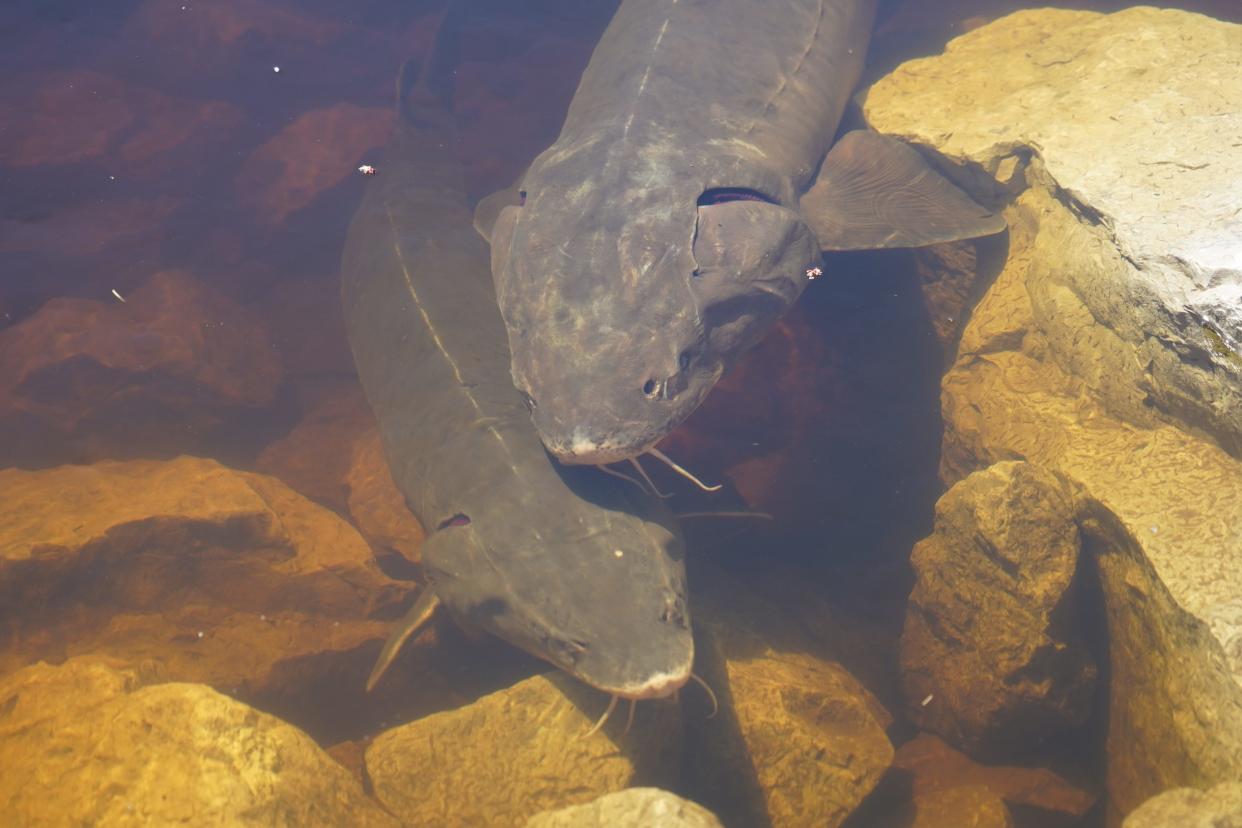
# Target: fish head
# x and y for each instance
(599, 593)
(626, 297)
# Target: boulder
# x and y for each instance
(203, 573)
(162, 372)
(797, 740)
(1106, 349)
(968, 806)
(631, 808)
(1218, 807)
(991, 656)
(520, 751)
(1136, 274)
(94, 742)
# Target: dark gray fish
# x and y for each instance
(575, 567)
(684, 208)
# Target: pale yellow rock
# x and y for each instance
(797, 740)
(1218, 807)
(631, 808)
(87, 743)
(520, 751)
(969, 806)
(1122, 122)
(209, 574)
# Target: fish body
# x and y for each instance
(684, 207)
(572, 566)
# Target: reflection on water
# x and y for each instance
(192, 482)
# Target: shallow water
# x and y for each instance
(221, 142)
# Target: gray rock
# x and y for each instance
(631, 808)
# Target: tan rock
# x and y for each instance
(86, 743)
(797, 740)
(969, 806)
(336, 457)
(1136, 280)
(159, 373)
(631, 808)
(520, 751)
(201, 572)
(990, 654)
(1218, 807)
(934, 767)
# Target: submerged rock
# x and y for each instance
(991, 656)
(631, 808)
(797, 739)
(92, 742)
(934, 766)
(1107, 349)
(967, 806)
(204, 573)
(520, 751)
(157, 374)
(1218, 807)
(1137, 279)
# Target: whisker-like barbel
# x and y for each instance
(710, 694)
(659, 455)
(612, 705)
(654, 490)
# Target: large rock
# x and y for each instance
(797, 739)
(204, 573)
(520, 751)
(631, 808)
(968, 806)
(92, 742)
(1106, 348)
(1218, 807)
(1136, 279)
(991, 656)
(159, 373)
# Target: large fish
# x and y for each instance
(578, 568)
(684, 208)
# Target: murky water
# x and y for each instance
(176, 179)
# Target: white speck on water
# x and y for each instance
(618, 553)
(1155, 529)
(275, 68)
(117, 295)
(200, 633)
(927, 700)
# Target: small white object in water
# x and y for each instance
(200, 633)
(927, 700)
(1154, 530)
(117, 295)
(618, 553)
(367, 169)
(275, 68)
(814, 273)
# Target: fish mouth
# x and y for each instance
(658, 686)
(581, 452)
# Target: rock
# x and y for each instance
(85, 116)
(203, 573)
(936, 767)
(314, 153)
(631, 808)
(335, 456)
(969, 806)
(1135, 277)
(990, 654)
(797, 740)
(1106, 349)
(520, 751)
(161, 373)
(1218, 807)
(130, 224)
(92, 742)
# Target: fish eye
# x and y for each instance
(651, 388)
(529, 400)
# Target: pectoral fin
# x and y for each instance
(418, 615)
(488, 209)
(874, 191)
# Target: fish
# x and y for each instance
(684, 207)
(570, 565)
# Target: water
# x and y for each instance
(175, 183)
